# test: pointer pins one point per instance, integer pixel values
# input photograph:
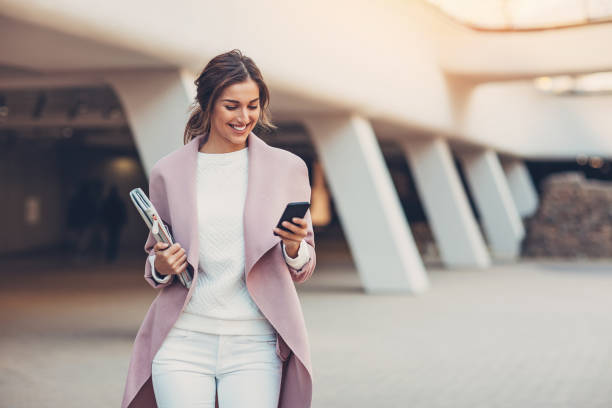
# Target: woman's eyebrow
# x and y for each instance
(235, 101)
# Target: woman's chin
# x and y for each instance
(239, 138)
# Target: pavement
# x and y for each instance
(530, 334)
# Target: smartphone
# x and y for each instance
(296, 209)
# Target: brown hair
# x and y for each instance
(222, 71)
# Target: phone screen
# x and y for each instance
(295, 209)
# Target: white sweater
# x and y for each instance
(220, 302)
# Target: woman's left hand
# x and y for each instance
(294, 236)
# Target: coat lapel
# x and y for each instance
(186, 225)
(261, 209)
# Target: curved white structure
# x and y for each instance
(399, 64)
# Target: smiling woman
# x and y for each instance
(232, 84)
(238, 334)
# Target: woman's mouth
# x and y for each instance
(237, 127)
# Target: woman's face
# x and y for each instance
(235, 114)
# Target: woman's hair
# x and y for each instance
(222, 71)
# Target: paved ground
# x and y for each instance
(526, 335)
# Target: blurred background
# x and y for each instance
(460, 157)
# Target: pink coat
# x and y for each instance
(275, 178)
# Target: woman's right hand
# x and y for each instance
(170, 261)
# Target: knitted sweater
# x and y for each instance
(220, 302)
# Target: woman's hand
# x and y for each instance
(294, 236)
(170, 261)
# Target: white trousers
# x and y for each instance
(191, 367)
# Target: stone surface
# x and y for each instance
(524, 335)
(574, 219)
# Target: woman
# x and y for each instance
(238, 334)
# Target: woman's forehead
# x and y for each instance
(245, 91)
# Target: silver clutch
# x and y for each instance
(158, 228)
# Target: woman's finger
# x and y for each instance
(300, 221)
(297, 232)
(174, 248)
(289, 235)
(160, 246)
(182, 268)
(180, 261)
(294, 228)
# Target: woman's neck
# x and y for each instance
(216, 145)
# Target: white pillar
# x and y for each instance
(501, 221)
(156, 103)
(378, 234)
(521, 186)
(448, 211)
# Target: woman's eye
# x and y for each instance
(253, 107)
(230, 107)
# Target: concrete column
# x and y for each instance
(157, 106)
(521, 186)
(501, 221)
(448, 211)
(382, 246)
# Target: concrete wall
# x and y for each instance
(518, 118)
(398, 61)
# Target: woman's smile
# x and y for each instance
(239, 128)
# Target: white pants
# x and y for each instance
(191, 367)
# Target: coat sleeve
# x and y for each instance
(157, 195)
(306, 271)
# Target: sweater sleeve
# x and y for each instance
(308, 243)
(302, 258)
(156, 276)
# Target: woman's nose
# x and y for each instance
(244, 116)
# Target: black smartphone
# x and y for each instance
(296, 209)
